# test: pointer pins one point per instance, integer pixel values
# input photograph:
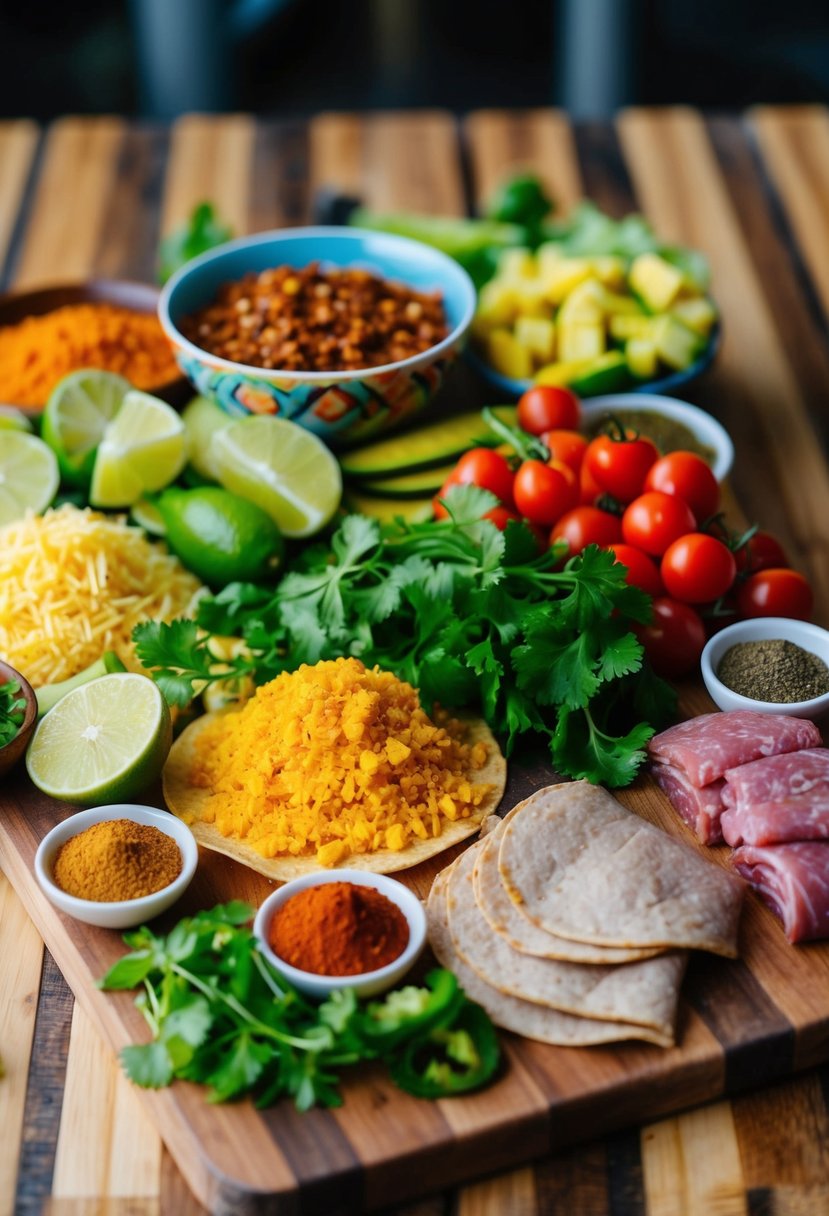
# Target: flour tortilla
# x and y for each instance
(644, 993)
(506, 920)
(188, 801)
(522, 1017)
(580, 865)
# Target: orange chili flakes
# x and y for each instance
(317, 320)
(39, 351)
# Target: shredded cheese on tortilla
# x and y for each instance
(331, 760)
(73, 583)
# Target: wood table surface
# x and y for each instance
(93, 196)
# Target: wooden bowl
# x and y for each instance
(13, 751)
(139, 297)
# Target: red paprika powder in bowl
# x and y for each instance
(342, 929)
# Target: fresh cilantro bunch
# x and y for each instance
(222, 1016)
(470, 616)
(204, 230)
(12, 711)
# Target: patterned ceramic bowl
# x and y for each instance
(341, 407)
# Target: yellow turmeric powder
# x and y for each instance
(331, 760)
(39, 351)
(117, 859)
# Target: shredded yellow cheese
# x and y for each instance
(73, 583)
(331, 760)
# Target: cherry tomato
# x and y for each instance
(653, 520)
(620, 465)
(762, 552)
(689, 477)
(567, 446)
(589, 488)
(485, 468)
(543, 492)
(546, 407)
(674, 639)
(587, 526)
(697, 568)
(776, 592)
(501, 516)
(643, 571)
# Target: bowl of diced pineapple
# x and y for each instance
(602, 324)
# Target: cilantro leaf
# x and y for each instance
(148, 1065)
(240, 1068)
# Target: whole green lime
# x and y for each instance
(219, 536)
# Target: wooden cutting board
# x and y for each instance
(741, 1023)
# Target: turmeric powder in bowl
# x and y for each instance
(333, 764)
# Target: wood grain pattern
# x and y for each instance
(211, 160)
(79, 166)
(18, 143)
(770, 1154)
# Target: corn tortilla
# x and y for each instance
(606, 876)
(532, 1021)
(187, 802)
(643, 993)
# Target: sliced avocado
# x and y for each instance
(424, 448)
(408, 485)
(49, 695)
(386, 510)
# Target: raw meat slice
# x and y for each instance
(777, 778)
(793, 879)
(700, 808)
(580, 865)
(805, 817)
(708, 745)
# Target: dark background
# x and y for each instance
(155, 58)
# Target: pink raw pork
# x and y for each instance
(778, 778)
(793, 879)
(803, 818)
(700, 808)
(705, 747)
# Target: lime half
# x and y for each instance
(220, 536)
(77, 414)
(143, 449)
(29, 476)
(281, 467)
(103, 742)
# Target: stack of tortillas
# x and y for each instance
(570, 922)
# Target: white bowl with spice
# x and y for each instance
(85, 868)
(672, 424)
(346, 930)
(767, 664)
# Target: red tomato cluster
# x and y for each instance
(657, 514)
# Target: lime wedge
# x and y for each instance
(77, 413)
(147, 515)
(103, 742)
(29, 476)
(282, 468)
(143, 449)
(12, 419)
(202, 418)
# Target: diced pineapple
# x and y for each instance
(547, 257)
(560, 279)
(531, 297)
(642, 359)
(498, 305)
(561, 373)
(580, 340)
(675, 344)
(655, 280)
(699, 314)
(517, 264)
(508, 356)
(538, 335)
(609, 270)
(618, 305)
(584, 303)
(622, 328)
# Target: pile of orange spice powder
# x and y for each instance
(39, 351)
(333, 759)
(339, 928)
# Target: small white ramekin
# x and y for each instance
(802, 633)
